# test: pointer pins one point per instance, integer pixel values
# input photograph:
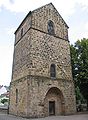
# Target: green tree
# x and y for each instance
(4, 101)
(79, 60)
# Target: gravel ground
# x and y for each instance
(70, 117)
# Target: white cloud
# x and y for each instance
(19, 5)
(78, 32)
(6, 64)
(10, 31)
(86, 26)
(83, 3)
(65, 7)
(85, 35)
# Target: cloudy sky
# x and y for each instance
(12, 12)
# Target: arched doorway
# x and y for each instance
(54, 102)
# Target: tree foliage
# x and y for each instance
(79, 60)
(4, 101)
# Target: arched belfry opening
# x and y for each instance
(54, 102)
(50, 27)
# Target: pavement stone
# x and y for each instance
(70, 117)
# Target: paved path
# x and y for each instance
(71, 117)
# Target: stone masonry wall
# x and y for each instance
(27, 54)
(37, 51)
(25, 25)
(47, 49)
(34, 52)
(21, 61)
(32, 93)
(37, 91)
(41, 16)
(19, 108)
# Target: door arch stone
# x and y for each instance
(54, 102)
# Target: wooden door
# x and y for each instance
(51, 107)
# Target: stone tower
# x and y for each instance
(42, 82)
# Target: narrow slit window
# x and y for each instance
(21, 32)
(52, 71)
(16, 95)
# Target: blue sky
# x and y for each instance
(12, 12)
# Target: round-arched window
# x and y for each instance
(50, 27)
